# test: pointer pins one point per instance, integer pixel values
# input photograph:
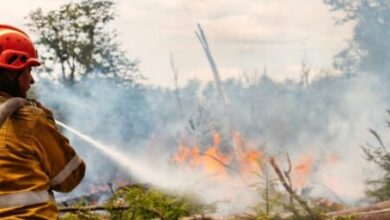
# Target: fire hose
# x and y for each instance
(10, 106)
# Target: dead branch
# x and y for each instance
(267, 185)
(287, 174)
(203, 41)
(288, 171)
(176, 81)
(302, 202)
(306, 69)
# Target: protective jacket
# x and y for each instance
(34, 159)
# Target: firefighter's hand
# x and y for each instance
(39, 105)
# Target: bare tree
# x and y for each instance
(176, 82)
(203, 41)
(306, 70)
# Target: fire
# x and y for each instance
(242, 160)
(305, 165)
(188, 155)
(249, 160)
(302, 170)
(214, 162)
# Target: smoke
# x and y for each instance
(328, 119)
(137, 156)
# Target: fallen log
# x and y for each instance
(202, 217)
(379, 206)
(92, 208)
(104, 208)
(370, 215)
(373, 215)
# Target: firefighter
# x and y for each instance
(35, 158)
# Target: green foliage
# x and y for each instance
(140, 203)
(350, 217)
(264, 216)
(76, 40)
(82, 215)
(149, 204)
(378, 189)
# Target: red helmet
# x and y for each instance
(17, 52)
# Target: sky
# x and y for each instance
(244, 36)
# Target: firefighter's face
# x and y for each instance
(25, 80)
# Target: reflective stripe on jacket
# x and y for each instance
(34, 158)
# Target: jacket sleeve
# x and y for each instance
(58, 159)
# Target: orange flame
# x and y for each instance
(212, 161)
(248, 159)
(302, 170)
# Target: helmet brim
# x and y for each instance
(30, 62)
(33, 62)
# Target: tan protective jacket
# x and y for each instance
(34, 159)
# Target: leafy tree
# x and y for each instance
(369, 49)
(77, 41)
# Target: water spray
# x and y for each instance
(109, 151)
(172, 179)
(137, 167)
